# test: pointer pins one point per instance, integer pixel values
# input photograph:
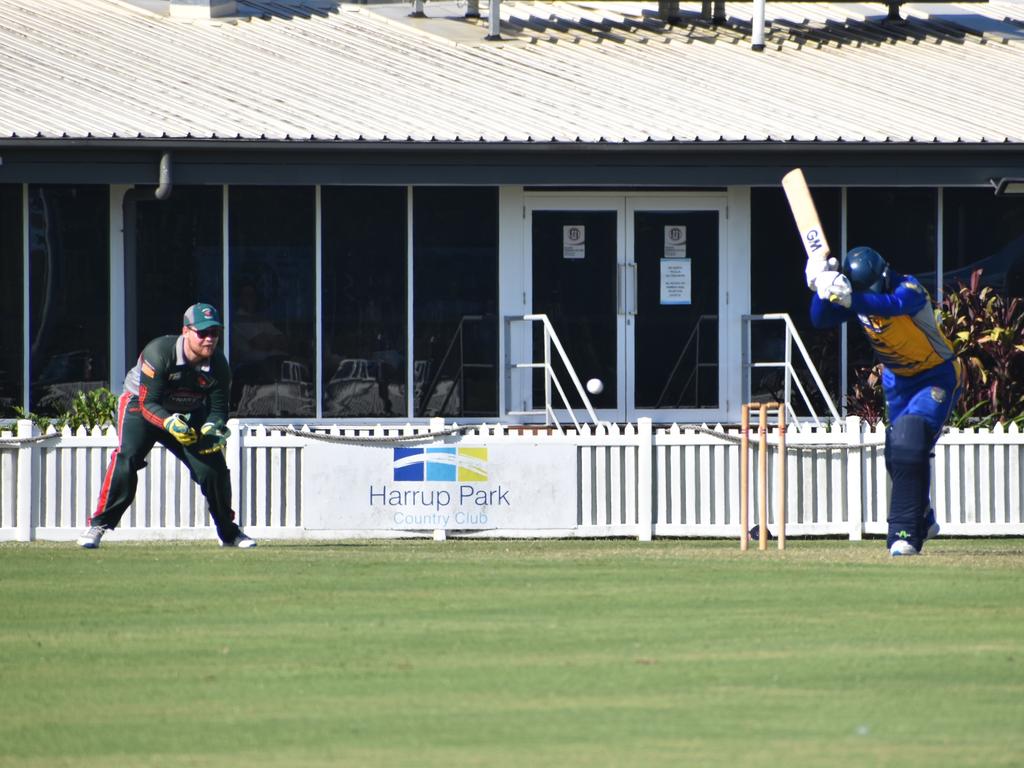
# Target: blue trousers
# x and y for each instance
(924, 400)
(930, 395)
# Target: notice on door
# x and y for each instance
(675, 241)
(676, 286)
(574, 237)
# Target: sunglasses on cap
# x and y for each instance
(206, 333)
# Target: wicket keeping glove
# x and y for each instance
(216, 435)
(179, 428)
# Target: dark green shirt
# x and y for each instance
(166, 383)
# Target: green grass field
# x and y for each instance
(498, 653)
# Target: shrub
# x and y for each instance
(987, 331)
(95, 408)
(865, 398)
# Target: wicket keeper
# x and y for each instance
(176, 395)
(921, 376)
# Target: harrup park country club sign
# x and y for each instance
(453, 486)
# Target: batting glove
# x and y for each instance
(823, 283)
(816, 267)
(179, 428)
(217, 434)
(840, 292)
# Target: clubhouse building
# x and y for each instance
(376, 195)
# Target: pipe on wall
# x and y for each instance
(163, 191)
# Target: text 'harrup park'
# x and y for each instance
(442, 500)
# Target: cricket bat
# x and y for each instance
(806, 215)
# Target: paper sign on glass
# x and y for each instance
(676, 287)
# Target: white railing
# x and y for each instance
(791, 377)
(631, 480)
(550, 343)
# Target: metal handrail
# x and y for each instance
(551, 340)
(456, 342)
(791, 377)
(693, 337)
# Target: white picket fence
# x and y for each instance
(632, 480)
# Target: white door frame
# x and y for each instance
(580, 201)
(625, 204)
(688, 201)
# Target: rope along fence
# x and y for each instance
(14, 442)
(435, 434)
(382, 440)
(789, 446)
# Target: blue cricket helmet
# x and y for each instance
(866, 269)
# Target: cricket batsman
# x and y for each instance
(921, 376)
(176, 395)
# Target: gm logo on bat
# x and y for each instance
(813, 238)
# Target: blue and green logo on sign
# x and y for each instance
(440, 464)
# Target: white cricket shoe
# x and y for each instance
(901, 548)
(91, 538)
(241, 541)
(932, 532)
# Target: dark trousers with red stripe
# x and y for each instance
(136, 439)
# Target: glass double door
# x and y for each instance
(632, 288)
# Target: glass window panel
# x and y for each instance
(178, 261)
(982, 231)
(455, 301)
(69, 277)
(11, 303)
(273, 303)
(778, 285)
(364, 269)
(899, 223)
(579, 296)
(677, 345)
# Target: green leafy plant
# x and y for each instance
(95, 408)
(43, 423)
(865, 398)
(987, 331)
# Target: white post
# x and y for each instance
(494, 21)
(757, 37)
(436, 425)
(26, 476)
(855, 478)
(117, 287)
(233, 457)
(318, 376)
(644, 479)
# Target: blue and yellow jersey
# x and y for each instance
(901, 326)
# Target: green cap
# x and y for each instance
(202, 316)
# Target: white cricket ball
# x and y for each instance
(595, 386)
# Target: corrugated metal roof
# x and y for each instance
(565, 72)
